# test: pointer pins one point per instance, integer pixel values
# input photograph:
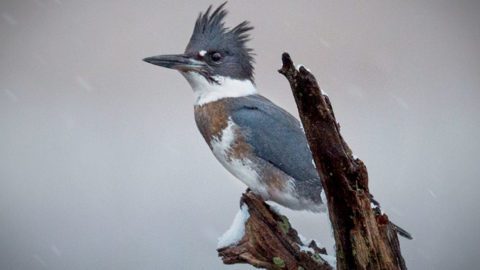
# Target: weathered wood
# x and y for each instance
(270, 242)
(364, 239)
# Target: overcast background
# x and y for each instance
(102, 167)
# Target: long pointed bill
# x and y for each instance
(180, 62)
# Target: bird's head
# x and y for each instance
(214, 52)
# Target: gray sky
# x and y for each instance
(102, 167)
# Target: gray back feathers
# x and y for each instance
(276, 137)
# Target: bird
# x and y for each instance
(258, 142)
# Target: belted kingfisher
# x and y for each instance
(260, 143)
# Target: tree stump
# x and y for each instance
(270, 241)
(364, 236)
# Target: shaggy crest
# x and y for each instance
(210, 34)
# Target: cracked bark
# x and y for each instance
(270, 241)
(365, 239)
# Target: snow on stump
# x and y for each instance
(237, 230)
(265, 239)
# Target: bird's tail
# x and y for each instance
(401, 231)
(376, 207)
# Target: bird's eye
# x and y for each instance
(216, 56)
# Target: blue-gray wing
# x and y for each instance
(275, 135)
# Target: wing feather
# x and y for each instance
(276, 136)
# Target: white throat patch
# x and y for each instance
(206, 92)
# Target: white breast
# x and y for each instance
(243, 169)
